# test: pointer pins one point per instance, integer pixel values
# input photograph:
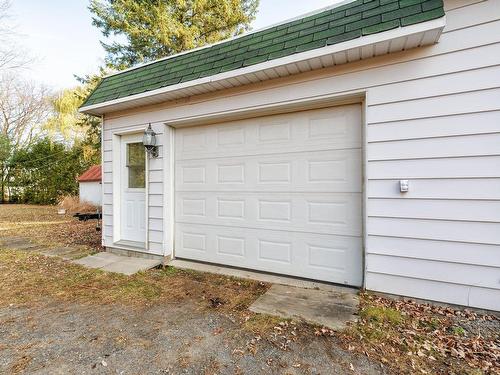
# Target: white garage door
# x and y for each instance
(278, 193)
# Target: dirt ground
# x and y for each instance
(171, 339)
(60, 318)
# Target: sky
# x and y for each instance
(61, 39)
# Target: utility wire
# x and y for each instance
(46, 165)
(37, 160)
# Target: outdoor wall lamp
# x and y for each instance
(149, 141)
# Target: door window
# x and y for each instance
(136, 165)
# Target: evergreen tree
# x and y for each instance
(159, 28)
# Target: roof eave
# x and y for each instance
(403, 38)
(92, 180)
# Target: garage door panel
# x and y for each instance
(321, 171)
(280, 193)
(325, 129)
(325, 257)
(338, 213)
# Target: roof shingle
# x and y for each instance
(336, 25)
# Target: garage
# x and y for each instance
(257, 158)
(280, 194)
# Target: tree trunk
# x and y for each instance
(2, 199)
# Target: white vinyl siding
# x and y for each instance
(91, 192)
(155, 186)
(441, 240)
(433, 117)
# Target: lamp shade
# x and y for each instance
(149, 138)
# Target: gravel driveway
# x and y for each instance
(72, 338)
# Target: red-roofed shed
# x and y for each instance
(91, 174)
(90, 185)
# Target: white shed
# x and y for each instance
(359, 145)
(90, 185)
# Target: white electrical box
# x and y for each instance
(404, 186)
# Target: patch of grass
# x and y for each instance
(458, 331)
(475, 372)
(139, 288)
(260, 323)
(28, 278)
(44, 226)
(382, 315)
(168, 271)
(195, 274)
(430, 324)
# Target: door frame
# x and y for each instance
(118, 177)
(168, 149)
(297, 105)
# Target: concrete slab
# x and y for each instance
(134, 253)
(12, 241)
(57, 251)
(74, 255)
(332, 309)
(129, 266)
(259, 276)
(116, 263)
(66, 253)
(94, 261)
(109, 256)
(23, 246)
(19, 243)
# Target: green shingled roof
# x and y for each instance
(336, 25)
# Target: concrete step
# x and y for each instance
(23, 247)
(117, 263)
(67, 253)
(332, 309)
(11, 241)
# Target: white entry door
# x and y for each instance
(133, 189)
(280, 193)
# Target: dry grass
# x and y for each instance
(43, 225)
(381, 314)
(29, 279)
(260, 324)
(32, 278)
(413, 337)
(20, 365)
(72, 205)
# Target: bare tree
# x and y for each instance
(24, 108)
(4, 16)
(12, 56)
(23, 105)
